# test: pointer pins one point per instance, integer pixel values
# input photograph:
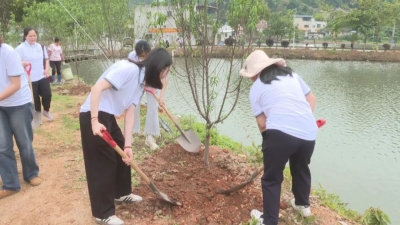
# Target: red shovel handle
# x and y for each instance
(28, 69)
(321, 122)
(107, 137)
(150, 90)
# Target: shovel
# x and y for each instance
(188, 140)
(320, 123)
(107, 137)
(36, 115)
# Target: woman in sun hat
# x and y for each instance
(283, 105)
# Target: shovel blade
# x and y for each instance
(36, 120)
(189, 141)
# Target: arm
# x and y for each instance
(94, 105)
(165, 82)
(12, 88)
(46, 69)
(310, 98)
(261, 122)
(129, 120)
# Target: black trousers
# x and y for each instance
(278, 148)
(55, 67)
(108, 177)
(41, 88)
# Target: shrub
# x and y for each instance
(269, 42)
(325, 45)
(285, 44)
(374, 216)
(343, 46)
(386, 46)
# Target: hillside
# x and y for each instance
(302, 6)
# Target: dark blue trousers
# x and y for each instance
(278, 148)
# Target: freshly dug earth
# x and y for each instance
(63, 198)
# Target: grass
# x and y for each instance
(70, 126)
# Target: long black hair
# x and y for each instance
(157, 60)
(271, 73)
(26, 32)
(142, 46)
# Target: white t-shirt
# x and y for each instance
(34, 55)
(56, 52)
(10, 66)
(127, 87)
(133, 56)
(284, 104)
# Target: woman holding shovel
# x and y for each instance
(117, 90)
(283, 105)
(152, 127)
(15, 121)
(35, 54)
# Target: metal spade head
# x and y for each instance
(189, 141)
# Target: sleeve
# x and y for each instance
(255, 104)
(119, 75)
(13, 64)
(46, 56)
(20, 52)
(132, 56)
(303, 85)
(50, 48)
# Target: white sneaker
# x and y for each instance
(305, 211)
(131, 198)
(48, 115)
(112, 220)
(151, 143)
(257, 215)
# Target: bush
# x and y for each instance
(325, 45)
(343, 46)
(386, 47)
(269, 42)
(374, 216)
(285, 44)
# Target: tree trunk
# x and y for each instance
(207, 147)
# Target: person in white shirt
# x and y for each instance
(283, 106)
(117, 90)
(56, 59)
(152, 126)
(15, 122)
(35, 54)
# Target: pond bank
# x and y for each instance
(308, 54)
(177, 173)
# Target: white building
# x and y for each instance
(308, 24)
(224, 32)
(145, 28)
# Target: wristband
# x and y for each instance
(127, 147)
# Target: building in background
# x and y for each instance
(309, 24)
(146, 29)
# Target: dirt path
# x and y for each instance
(62, 198)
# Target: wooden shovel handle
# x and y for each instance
(107, 137)
(165, 109)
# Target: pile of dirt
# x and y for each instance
(79, 89)
(183, 177)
